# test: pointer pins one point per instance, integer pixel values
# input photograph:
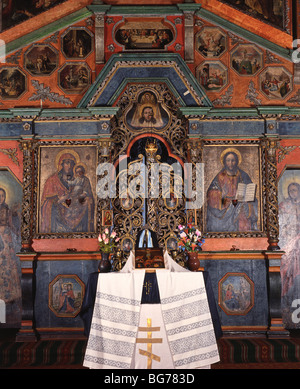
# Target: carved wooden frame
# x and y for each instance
(35, 177)
(257, 144)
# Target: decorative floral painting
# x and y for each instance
(10, 244)
(65, 295)
(289, 241)
(236, 294)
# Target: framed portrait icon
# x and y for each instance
(66, 293)
(233, 189)
(66, 199)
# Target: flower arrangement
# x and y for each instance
(190, 238)
(107, 241)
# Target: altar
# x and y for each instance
(145, 319)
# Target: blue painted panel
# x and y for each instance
(205, 128)
(145, 73)
(45, 273)
(11, 129)
(289, 128)
(71, 128)
(257, 272)
(229, 127)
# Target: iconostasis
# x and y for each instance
(220, 83)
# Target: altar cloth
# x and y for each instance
(183, 315)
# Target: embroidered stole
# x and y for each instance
(187, 319)
(115, 321)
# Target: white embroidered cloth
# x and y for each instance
(185, 312)
(115, 321)
(187, 319)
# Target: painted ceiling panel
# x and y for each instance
(56, 65)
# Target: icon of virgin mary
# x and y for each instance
(147, 113)
(63, 209)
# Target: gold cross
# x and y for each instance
(149, 340)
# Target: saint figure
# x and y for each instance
(67, 203)
(289, 233)
(222, 213)
(10, 283)
(147, 113)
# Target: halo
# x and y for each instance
(80, 164)
(231, 150)
(286, 184)
(6, 189)
(9, 192)
(66, 151)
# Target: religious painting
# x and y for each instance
(12, 83)
(171, 202)
(147, 113)
(77, 43)
(236, 294)
(211, 42)
(212, 76)
(289, 234)
(191, 216)
(268, 11)
(74, 78)
(107, 217)
(276, 82)
(246, 60)
(17, 11)
(41, 60)
(66, 188)
(127, 202)
(127, 244)
(10, 244)
(65, 295)
(233, 189)
(145, 35)
(172, 242)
